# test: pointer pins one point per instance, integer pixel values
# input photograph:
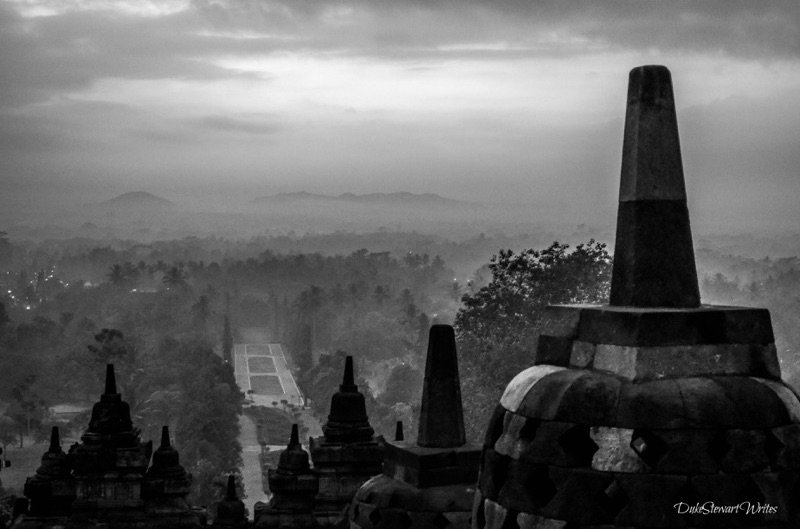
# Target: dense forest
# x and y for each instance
(166, 312)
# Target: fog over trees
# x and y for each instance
(168, 312)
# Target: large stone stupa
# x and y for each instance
(653, 411)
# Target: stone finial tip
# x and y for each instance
(230, 494)
(165, 437)
(349, 378)
(55, 440)
(650, 84)
(111, 380)
(294, 438)
(441, 418)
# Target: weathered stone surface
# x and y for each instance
(591, 398)
(652, 363)
(652, 202)
(495, 428)
(441, 420)
(521, 384)
(614, 452)
(545, 395)
(582, 354)
(494, 515)
(528, 487)
(651, 327)
(654, 275)
(580, 496)
(650, 500)
(494, 473)
(651, 157)
(534, 521)
(383, 491)
(781, 491)
(791, 402)
(688, 451)
(351, 456)
(784, 447)
(553, 350)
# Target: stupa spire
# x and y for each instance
(230, 494)
(55, 441)
(111, 380)
(653, 258)
(294, 438)
(441, 419)
(165, 444)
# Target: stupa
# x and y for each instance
(294, 486)
(430, 483)
(653, 411)
(346, 455)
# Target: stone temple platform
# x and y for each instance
(654, 411)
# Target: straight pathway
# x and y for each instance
(251, 467)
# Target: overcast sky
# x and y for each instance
(493, 100)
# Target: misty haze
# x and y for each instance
(226, 200)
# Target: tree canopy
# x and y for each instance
(497, 326)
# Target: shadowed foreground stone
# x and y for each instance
(104, 481)
(430, 483)
(52, 489)
(652, 401)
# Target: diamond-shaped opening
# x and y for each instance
(440, 521)
(648, 446)
(539, 485)
(510, 521)
(479, 512)
(578, 444)
(375, 516)
(687, 494)
(529, 430)
(719, 446)
(615, 499)
(751, 490)
(773, 447)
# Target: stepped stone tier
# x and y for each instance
(346, 455)
(104, 480)
(294, 486)
(430, 483)
(649, 411)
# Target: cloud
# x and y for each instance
(41, 56)
(252, 125)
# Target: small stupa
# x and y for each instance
(51, 490)
(231, 512)
(346, 455)
(110, 462)
(430, 482)
(294, 485)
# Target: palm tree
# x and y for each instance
(174, 278)
(116, 275)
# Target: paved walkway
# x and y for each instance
(251, 468)
(263, 374)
